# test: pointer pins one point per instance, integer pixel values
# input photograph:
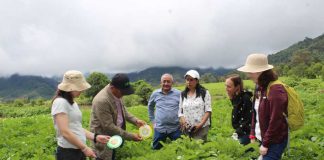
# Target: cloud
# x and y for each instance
(45, 37)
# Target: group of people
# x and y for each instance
(171, 112)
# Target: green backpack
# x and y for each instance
(295, 107)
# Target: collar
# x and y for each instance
(160, 90)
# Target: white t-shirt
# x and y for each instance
(61, 105)
(193, 108)
(257, 124)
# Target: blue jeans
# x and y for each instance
(69, 154)
(162, 137)
(275, 151)
(244, 139)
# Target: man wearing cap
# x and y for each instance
(109, 115)
(165, 118)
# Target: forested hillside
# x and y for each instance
(152, 75)
(17, 86)
(311, 50)
(303, 59)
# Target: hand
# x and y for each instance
(88, 152)
(140, 123)
(182, 123)
(137, 137)
(263, 150)
(102, 139)
(197, 127)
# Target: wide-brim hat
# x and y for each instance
(256, 62)
(121, 82)
(192, 73)
(73, 81)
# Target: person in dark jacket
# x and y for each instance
(242, 108)
(269, 125)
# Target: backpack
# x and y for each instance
(203, 94)
(295, 107)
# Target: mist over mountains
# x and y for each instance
(25, 86)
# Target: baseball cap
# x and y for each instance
(121, 82)
(193, 74)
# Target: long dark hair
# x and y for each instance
(200, 90)
(63, 94)
(266, 77)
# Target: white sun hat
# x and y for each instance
(256, 62)
(73, 81)
(192, 73)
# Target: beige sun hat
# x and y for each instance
(256, 62)
(73, 81)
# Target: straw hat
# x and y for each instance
(256, 63)
(73, 81)
(193, 74)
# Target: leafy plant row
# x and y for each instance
(31, 135)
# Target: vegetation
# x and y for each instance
(17, 86)
(303, 59)
(97, 81)
(30, 135)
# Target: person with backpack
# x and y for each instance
(269, 125)
(242, 108)
(195, 107)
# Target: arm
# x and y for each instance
(105, 113)
(278, 101)
(246, 115)
(99, 138)
(62, 122)
(203, 121)
(151, 106)
(252, 132)
(132, 119)
(208, 110)
(181, 115)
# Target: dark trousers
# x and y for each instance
(162, 137)
(244, 139)
(275, 151)
(69, 154)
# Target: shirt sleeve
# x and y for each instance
(59, 105)
(278, 100)
(180, 112)
(208, 107)
(151, 106)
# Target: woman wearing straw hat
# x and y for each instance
(71, 137)
(269, 126)
(195, 107)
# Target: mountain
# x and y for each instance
(18, 86)
(312, 48)
(152, 75)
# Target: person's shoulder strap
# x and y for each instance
(273, 83)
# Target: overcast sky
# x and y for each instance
(48, 37)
